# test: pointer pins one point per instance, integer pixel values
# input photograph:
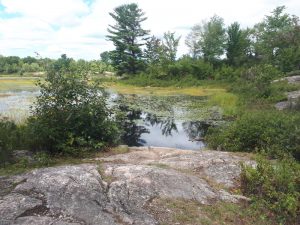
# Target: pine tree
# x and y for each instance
(127, 36)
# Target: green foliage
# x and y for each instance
(208, 39)
(278, 40)
(188, 66)
(192, 41)
(169, 46)
(106, 57)
(276, 133)
(153, 52)
(274, 186)
(256, 80)
(227, 73)
(127, 36)
(237, 45)
(10, 139)
(42, 159)
(212, 39)
(70, 114)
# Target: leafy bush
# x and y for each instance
(187, 66)
(227, 73)
(257, 80)
(70, 115)
(10, 139)
(274, 186)
(276, 133)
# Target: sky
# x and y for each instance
(78, 27)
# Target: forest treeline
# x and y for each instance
(215, 51)
(14, 65)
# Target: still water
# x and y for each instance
(152, 121)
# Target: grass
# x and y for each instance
(23, 166)
(227, 101)
(17, 84)
(164, 91)
(184, 212)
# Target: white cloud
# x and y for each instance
(74, 27)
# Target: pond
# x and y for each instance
(177, 121)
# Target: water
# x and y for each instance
(175, 134)
(16, 104)
(149, 120)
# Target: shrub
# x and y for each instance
(10, 139)
(274, 186)
(276, 133)
(227, 73)
(188, 66)
(256, 81)
(70, 114)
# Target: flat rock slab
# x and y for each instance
(221, 167)
(117, 189)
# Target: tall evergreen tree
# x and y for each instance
(127, 36)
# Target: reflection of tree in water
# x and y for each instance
(131, 131)
(195, 130)
(167, 125)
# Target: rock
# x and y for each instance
(221, 167)
(291, 79)
(78, 194)
(293, 101)
(282, 105)
(294, 95)
(23, 154)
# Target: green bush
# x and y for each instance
(10, 139)
(274, 186)
(227, 73)
(257, 80)
(187, 66)
(276, 133)
(70, 115)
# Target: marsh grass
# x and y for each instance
(164, 91)
(17, 84)
(227, 101)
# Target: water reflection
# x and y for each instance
(196, 130)
(167, 125)
(131, 130)
(145, 129)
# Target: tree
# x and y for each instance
(237, 44)
(153, 51)
(207, 39)
(212, 39)
(192, 41)
(170, 45)
(278, 40)
(106, 57)
(128, 37)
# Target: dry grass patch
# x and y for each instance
(183, 212)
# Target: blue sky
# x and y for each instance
(78, 27)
